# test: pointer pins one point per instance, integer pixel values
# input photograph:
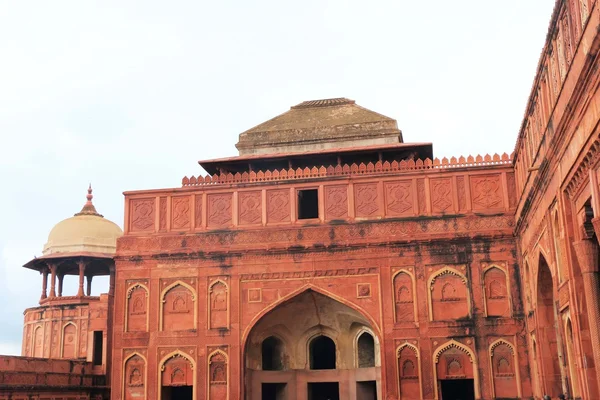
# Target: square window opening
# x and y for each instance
(308, 204)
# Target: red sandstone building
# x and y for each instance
(331, 260)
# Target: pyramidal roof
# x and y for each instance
(319, 125)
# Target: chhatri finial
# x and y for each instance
(88, 207)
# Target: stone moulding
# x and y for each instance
(350, 170)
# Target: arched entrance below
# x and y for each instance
(547, 327)
(312, 347)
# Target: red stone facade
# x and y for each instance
(368, 271)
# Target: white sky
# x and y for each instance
(129, 95)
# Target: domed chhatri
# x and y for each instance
(87, 232)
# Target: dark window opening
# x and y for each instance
(98, 348)
(272, 354)
(308, 204)
(322, 353)
(324, 391)
(458, 389)
(273, 391)
(177, 393)
(366, 390)
(366, 351)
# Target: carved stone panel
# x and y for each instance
(180, 212)
(398, 198)
(408, 372)
(449, 297)
(503, 368)
(441, 195)
(278, 206)
(512, 189)
(218, 376)
(366, 200)
(250, 208)
(137, 309)
(135, 378)
(404, 298)
(219, 305)
(69, 341)
(496, 293)
(421, 196)
(178, 309)
(220, 210)
(336, 202)
(142, 215)
(486, 192)
(198, 211)
(162, 218)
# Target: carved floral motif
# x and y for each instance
(278, 205)
(336, 202)
(219, 209)
(486, 191)
(162, 219)
(441, 194)
(366, 199)
(142, 214)
(250, 207)
(198, 211)
(181, 212)
(399, 198)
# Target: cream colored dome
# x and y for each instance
(86, 232)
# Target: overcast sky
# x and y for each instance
(129, 95)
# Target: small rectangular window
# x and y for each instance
(98, 348)
(308, 204)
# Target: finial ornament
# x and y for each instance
(88, 207)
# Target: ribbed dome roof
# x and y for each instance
(86, 232)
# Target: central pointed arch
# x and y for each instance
(324, 314)
(472, 358)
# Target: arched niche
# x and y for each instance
(322, 353)
(273, 354)
(405, 307)
(136, 314)
(38, 342)
(453, 360)
(449, 297)
(365, 349)
(506, 382)
(134, 377)
(69, 341)
(546, 331)
(409, 372)
(177, 377)
(218, 307)
(218, 375)
(572, 359)
(178, 311)
(497, 292)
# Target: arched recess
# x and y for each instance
(218, 305)
(178, 310)
(376, 350)
(505, 376)
(176, 369)
(136, 308)
(497, 292)
(547, 331)
(273, 354)
(218, 375)
(572, 359)
(458, 360)
(38, 342)
(404, 292)
(409, 372)
(341, 322)
(135, 377)
(68, 342)
(448, 295)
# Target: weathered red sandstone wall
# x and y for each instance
(426, 256)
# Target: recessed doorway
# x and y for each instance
(458, 389)
(177, 393)
(273, 391)
(366, 390)
(324, 391)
